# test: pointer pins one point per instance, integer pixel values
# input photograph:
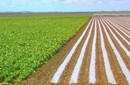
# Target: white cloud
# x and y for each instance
(84, 1)
(100, 2)
(119, 1)
(58, 1)
(79, 1)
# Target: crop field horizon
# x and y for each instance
(65, 50)
(28, 42)
(64, 42)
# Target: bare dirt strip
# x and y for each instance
(99, 54)
(123, 22)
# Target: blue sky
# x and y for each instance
(63, 5)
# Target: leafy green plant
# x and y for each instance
(27, 43)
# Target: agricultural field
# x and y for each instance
(29, 42)
(98, 54)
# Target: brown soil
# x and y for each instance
(119, 77)
(44, 74)
(125, 44)
(125, 57)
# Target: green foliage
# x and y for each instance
(28, 42)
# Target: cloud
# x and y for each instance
(84, 2)
(66, 1)
(119, 1)
(100, 2)
(63, 5)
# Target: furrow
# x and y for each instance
(115, 67)
(92, 70)
(120, 21)
(119, 28)
(66, 75)
(75, 73)
(108, 70)
(60, 70)
(118, 56)
(122, 46)
(122, 28)
(118, 32)
(121, 51)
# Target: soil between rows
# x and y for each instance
(125, 24)
(121, 51)
(65, 78)
(119, 77)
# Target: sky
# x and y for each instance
(63, 5)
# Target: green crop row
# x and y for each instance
(27, 43)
